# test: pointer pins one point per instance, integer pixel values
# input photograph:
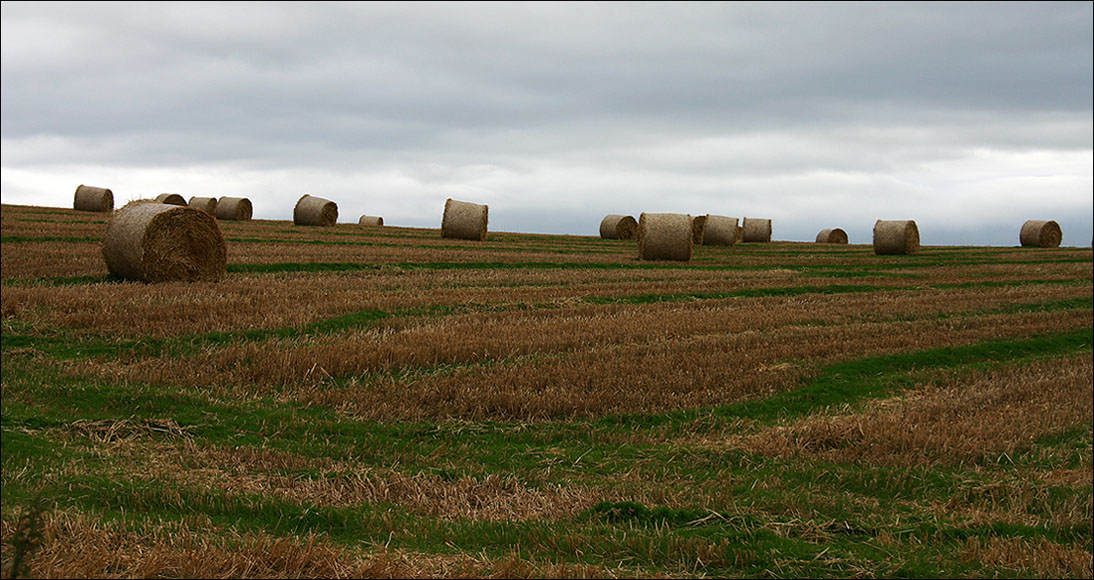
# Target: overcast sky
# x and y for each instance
(969, 118)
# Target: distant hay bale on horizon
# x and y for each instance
(90, 198)
(171, 198)
(698, 225)
(370, 220)
(896, 237)
(1041, 234)
(205, 204)
(618, 227)
(832, 236)
(756, 230)
(665, 236)
(314, 211)
(157, 242)
(234, 209)
(464, 220)
(720, 230)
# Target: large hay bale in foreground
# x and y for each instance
(171, 198)
(757, 230)
(832, 236)
(158, 242)
(314, 211)
(93, 199)
(618, 227)
(720, 230)
(464, 220)
(205, 204)
(370, 220)
(664, 236)
(698, 225)
(234, 209)
(896, 237)
(1041, 234)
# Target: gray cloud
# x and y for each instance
(556, 113)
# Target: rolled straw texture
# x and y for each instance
(205, 204)
(618, 227)
(896, 237)
(1041, 234)
(757, 230)
(234, 209)
(171, 198)
(464, 220)
(720, 231)
(832, 236)
(93, 199)
(370, 220)
(314, 211)
(698, 225)
(158, 242)
(664, 236)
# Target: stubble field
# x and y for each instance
(356, 401)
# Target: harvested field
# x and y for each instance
(359, 402)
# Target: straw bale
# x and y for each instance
(1041, 234)
(234, 209)
(157, 242)
(698, 224)
(896, 237)
(464, 220)
(618, 227)
(757, 230)
(832, 236)
(93, 199)
(205, 204)
(370, 220)
(720, 231)
(314, 211)
(664, 236)
(171, 198)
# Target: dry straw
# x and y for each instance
(157, 242)
(93, 199)
(618, 227)
(664, 236)
(234, 209)
(698, 225)
(896, 237)
(757, 230)
(171, 198)
(720, 231)
(205, 204)
(314, 211)
(832, 236)
(464, 220)
(370, 220)
(1041, 234)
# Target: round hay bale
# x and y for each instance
(314, 211)
(205, 204)
(1041, 234)
(233, 209)
(832, 236)
(698, 224)
(171, 198)
(720, 231)
(618, 227)
(158, 242)
(93, 199)
(757, 230)
(369, 220)
(896, 237)
(664, 236)
(464, 220)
